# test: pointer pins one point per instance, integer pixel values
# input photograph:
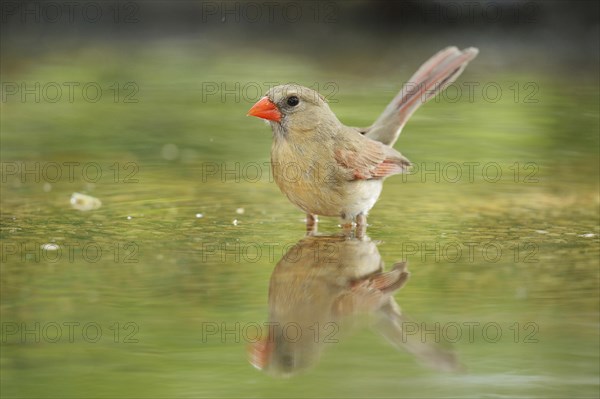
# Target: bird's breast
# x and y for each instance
(313, 181)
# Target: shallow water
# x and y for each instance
(159, 292)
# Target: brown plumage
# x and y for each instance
(323, 288)
(329, 169)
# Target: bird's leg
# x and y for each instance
(312, 224)
(361, 225)
(347, 225)
(347, 229)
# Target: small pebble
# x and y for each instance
(235, 222)
(129, 218)
(84, 202)
(240, 211)
(199, 215)
(50, 247)
(541, 231)
(587, 235)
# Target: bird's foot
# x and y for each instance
(356, 229)
(312, 224)
(347, 228)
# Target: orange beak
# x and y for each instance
(265, 109)
(259, 353)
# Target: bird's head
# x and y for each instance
(294, 108)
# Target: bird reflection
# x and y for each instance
(323, 287)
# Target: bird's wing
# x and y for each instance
(370, 159)
(430, 79)
(371, 293)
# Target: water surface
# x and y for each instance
(503, 267)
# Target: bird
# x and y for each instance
(324, 288)
(326, 168)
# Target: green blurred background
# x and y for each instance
(159, 95)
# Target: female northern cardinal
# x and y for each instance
(322, 288)
(329, 169)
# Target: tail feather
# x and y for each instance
(393, 326)
(430, 79)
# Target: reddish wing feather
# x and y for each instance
(373, 161)
(371, 293)
(387, 168)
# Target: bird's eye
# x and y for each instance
(293, 101)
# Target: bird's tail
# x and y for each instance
(407, 335)
(430, 79)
